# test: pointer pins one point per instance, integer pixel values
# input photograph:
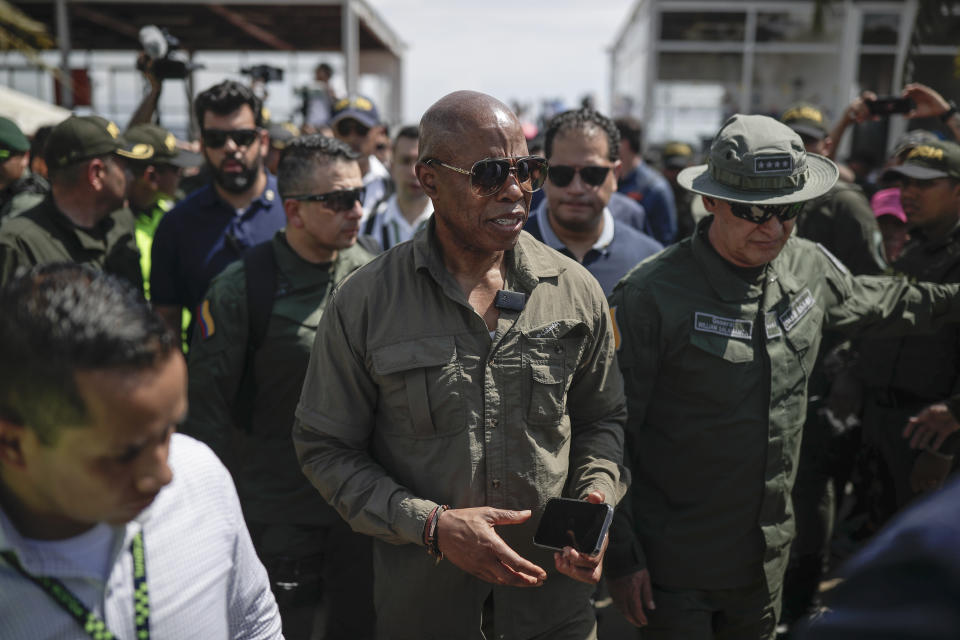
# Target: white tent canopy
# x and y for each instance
(28, 112)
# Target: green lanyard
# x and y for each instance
(91, 623)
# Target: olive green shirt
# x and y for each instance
(716, 370)
(409, 403)
(272, 488)
(43, 235)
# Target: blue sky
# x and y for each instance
(512, 50)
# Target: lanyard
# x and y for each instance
(90, 622)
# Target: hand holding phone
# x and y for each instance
(573, 523)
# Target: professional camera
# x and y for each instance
(163, 60)
(263, 73)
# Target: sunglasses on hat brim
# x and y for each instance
(562, 175)
(339, 201)
(488, 176)
(760, 213)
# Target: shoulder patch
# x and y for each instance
(615, 327)
(205, 320)
(842, 268)
(727, 327)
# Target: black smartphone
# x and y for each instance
(889, 105)
(573, 523)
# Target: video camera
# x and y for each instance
(263, 73)
(165, 62)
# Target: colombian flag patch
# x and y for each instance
(205, 320)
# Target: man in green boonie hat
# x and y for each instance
(83, 219)
(19, 188)
(718, 335)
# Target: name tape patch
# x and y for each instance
(773, 329)
(727, 327)
(798, 308)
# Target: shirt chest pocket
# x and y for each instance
(421, 388)
(720, 367)
(546, 373)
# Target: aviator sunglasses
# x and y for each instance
(760, 213)
(339, 201)
(561, 175)
(488, 176)
(216, 138)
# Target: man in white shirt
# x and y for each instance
(400, 216)
(111, 526)
(354, 120)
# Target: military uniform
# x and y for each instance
(904, 375)
(716, 363)
(43, 235)
(27, 192)
(289, 522)
(843, 222)
(409, 402)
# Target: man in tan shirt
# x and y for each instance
(471, 367)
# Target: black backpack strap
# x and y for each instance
(260, 272)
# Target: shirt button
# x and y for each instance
(495, 483)
(493, 423)
(558, 348)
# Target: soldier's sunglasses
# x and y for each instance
(216, 138)
(562, 175)
(488, 176)
(339, 201)
(760, 213)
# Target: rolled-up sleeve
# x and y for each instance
(332, 431)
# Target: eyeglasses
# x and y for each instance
(760, 213)
(216, 138)
(339, 201)
(488, 176)
(348, 126)
(562, 175)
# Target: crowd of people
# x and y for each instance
(323, 382)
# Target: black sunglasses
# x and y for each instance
(561, 175)
(488, 176)
(348, 126)
(338, 201)
(216, 138)
(760, 213)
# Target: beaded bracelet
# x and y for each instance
(430, 538)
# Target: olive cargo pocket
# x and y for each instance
(421, 387)
(545, 373)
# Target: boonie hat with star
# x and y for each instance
(758, 160)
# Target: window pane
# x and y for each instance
(703, 25)
(799, 25)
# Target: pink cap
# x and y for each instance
(886, 202)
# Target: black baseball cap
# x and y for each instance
(806, 119)
(929, 161)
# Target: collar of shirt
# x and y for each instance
(918, 237)
(211, 198)
(44, 565)
(725, 282)
(94, 238)
(550, 238)
(297, 272)
(527, 263)
(392, 214)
